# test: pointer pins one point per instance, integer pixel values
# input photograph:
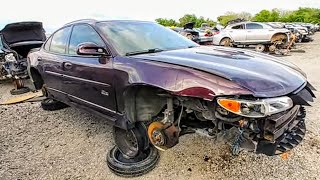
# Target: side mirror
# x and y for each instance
(91, 49)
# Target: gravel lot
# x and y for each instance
(70, 144)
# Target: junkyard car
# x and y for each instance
(188, 32)
(250, 33)
(16, 40)
(154, 85)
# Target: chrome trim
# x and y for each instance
(85, 101)
(77, 78)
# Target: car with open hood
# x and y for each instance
(154, 85)
(16, 40)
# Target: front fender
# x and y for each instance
(175, 79)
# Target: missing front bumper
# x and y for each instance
(283, 133)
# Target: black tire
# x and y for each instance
(19, 91)
(140, 165)
(49, 104)
(131, 142)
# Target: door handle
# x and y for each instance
(39, 58)
(248, 31)
(67, 65)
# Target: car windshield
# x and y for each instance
(130, 38)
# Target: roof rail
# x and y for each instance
(81, 20)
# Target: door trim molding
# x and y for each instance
(77, 78)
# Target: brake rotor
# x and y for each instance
(156, 135)
(272, 48)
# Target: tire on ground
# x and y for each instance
(19, 91)
(140, 165)
(49, 104)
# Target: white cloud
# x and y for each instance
(56, 13)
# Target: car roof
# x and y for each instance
(93, 21)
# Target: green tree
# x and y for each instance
(167, 22)
(224, 19)
(267, 16)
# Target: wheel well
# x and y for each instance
(279, 36)
(36, 78)
(224, 39)
(142, 103)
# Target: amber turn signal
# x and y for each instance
(229, 104)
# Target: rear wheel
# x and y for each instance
(226, 42)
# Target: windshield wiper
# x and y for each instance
(154, 50)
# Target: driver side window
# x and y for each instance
(83, 33)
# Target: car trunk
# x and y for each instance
(23, 36)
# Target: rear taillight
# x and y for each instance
(215, 33)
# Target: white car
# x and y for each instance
(250, 33)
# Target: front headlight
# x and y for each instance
(10, 58)
(258, 108)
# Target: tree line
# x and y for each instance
(307, 15)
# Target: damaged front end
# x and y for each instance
(269, 126)
(276, 132)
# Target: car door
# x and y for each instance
(237, 33)
(86, 80)
(256, 33)
(50, 62)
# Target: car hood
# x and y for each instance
(22, 32)
(262, 74)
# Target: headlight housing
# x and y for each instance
(258, 108)
(10, 58)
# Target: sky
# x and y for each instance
(56, 13)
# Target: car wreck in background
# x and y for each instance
(16, 40)
(156, 85)
(253, 33)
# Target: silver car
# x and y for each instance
(250, 33)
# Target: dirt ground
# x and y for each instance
(70, 144)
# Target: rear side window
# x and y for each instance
(81, 34)
(238, 27)
(254, 26)
(60, 40)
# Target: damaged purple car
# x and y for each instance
(154, 85)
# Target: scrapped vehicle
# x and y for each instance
(16, 40)
(205, 36)
(301, 32)
(250, 33)
(154, 85)
(188, 32)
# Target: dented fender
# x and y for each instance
(175, 79)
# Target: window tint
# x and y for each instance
(254, 26)
(47, 45)
(238, 27)
(60, 40)
(81, 34)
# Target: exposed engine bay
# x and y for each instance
(270, 126)
(17, 39)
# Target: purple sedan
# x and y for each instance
(154, 85)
